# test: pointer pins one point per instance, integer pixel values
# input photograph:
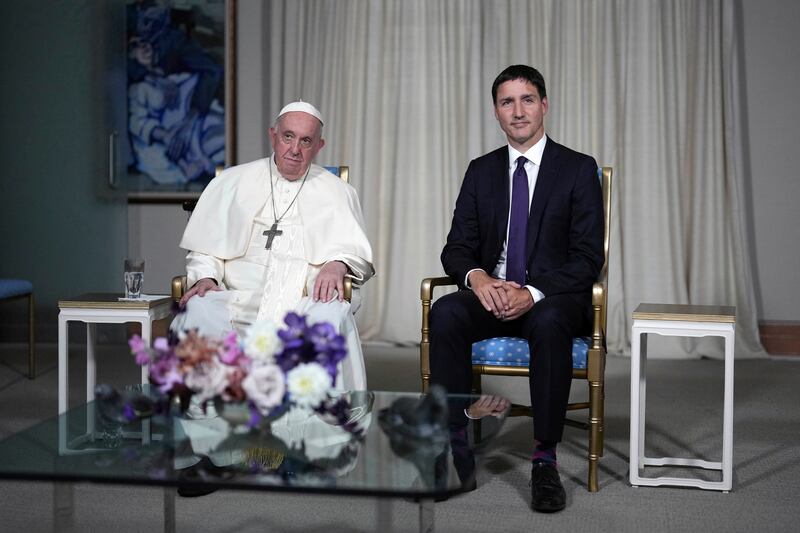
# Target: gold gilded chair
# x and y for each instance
(179, 282)
(588, 353)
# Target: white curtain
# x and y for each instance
(646, 87)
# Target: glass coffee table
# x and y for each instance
(412, 446)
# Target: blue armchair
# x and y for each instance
(14, 289)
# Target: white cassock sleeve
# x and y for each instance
(199, 266)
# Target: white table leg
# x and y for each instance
(63, 363)
(91, 376)
(642, 395)
(727, 425)
(634, 462)
(63, 381)
(147, 332)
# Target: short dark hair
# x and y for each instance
(520, 72)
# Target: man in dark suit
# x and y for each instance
(525, 246)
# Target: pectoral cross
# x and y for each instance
(271, 233)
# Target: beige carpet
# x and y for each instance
(684, 410)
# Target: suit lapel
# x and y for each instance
(545, 181)
(501, 193)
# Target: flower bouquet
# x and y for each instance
(267, 370)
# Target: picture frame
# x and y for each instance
(181, 97)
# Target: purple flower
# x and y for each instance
(129, 413)
(310, 344)
(161, 344)
(140, 349)
(329, 346)
(137, 344)
(164, 372)
(255, 416)
(169, 380)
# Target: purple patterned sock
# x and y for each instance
(544, 451)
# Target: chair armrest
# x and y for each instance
(596, 358)
(428, 284)
(599, 288)
(178, 287)
(426, 295)
(348, 289)
(599, 309)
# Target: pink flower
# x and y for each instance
(195, 349)
(230, 351)
(207, 379)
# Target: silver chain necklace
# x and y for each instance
(273, 231)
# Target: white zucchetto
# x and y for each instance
(303, 107)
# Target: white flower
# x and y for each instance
(207, 379)
(265, 387)
(261, 342)
(308, 384)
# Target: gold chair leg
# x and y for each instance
(31, 343)
(595, 432)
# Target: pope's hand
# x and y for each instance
(200, 288)
(330, 278)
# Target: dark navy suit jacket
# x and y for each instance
(565, 224)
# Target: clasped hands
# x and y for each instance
(506, 300)
(488, 405)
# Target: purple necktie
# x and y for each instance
(518, 225)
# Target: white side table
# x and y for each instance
(93, 309)
(680, 321)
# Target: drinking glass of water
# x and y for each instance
(134, 277)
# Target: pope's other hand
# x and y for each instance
(200, 288)
(330, 279)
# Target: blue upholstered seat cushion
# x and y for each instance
(14, 287)
(513, 351)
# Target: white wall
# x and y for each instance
(772, 75)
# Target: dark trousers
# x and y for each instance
(457, 320)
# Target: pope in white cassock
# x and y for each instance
(277, 235)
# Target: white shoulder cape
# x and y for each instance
(222, 221)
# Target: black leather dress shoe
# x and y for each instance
(547, 493)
